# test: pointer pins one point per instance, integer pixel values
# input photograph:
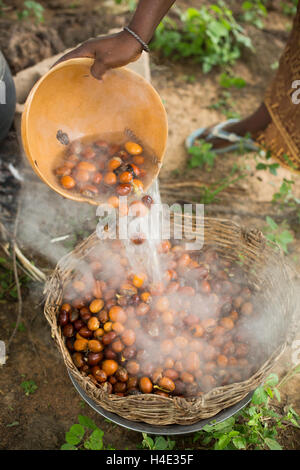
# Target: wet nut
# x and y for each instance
(227, 323)
(93, 323)
(133, 367)
(181, 342)
(68, 182)
(107, 326)
(167, 384)
(109, 366)
(247, 308)
(222, 360)
(198, 331)
(99, 374)
(209, 324)
(142, 309)
(119, 387)
(99, 333)
(186, 377)
(63, 318)
(68, 330)
(117, 346)
(117, 314)
(132, 382)
(85, 332)
(73, 315)
(138, 280)
(145, 385)
(166, 346)
(118, 328)
(171, 374)
(78, 359)
(94, 358)
(80, 344)
(95, 346)
(109, 337)
(66, 308)
(128, 337)
(124, 189)
(192, 361)
(96, 305)
(103, 316)
(129, 352)
(162, 304)
(122, 374)
(133, 148)
(205, 287)
(110, 354)
(110, 178)
(70, 344)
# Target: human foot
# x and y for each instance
(249, 127)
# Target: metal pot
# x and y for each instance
(7, 98)
(169, 430)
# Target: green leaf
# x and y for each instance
(147, 441)
(67, 446)
(95, 441)
(261, 166)
(259, 396)
(272, 444)
(161, 443)
(75, 434)
(222, 442)
(277, 394)
(87, 422)
(272, 380)
(224, 426)
(239, 442)
(272, 224)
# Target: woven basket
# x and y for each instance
(233, 243)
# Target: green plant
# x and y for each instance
(254, 428)
(84, 435)
(253, 12)
(131, 4)
(227, 80)
(157, 443)
(8, 289)
(285, 197)
(225, 105)
(29, 387)
(21, 327)
(2, 6)
(278, 233)
(32, 8)
(201, 155)
(289, 8)
(209, 35)
(272, 167)
(285, 194)
(208, 194)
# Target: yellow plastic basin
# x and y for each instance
(70, 99)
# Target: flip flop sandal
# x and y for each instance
(217, 131)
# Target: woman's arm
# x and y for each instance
(119, 49)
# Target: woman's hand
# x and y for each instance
(109, 52)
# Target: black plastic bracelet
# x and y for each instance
(145, 46)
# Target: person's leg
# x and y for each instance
(250, 126)
(7, 98)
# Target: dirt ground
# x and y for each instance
(39, 421)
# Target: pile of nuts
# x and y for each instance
(181, 336)
(100, 167)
